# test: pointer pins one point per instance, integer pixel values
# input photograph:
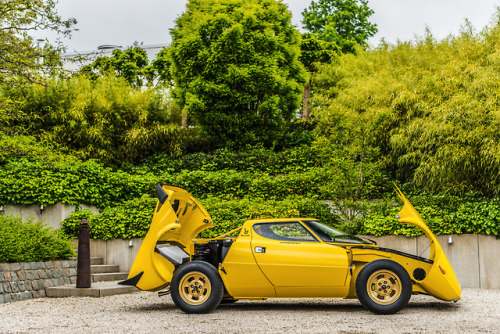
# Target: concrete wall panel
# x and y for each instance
(462, 254)
(397, 242)
(98, 248)
(489, 261)
(51, 215)
(27, 212)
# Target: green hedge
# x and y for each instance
(128, 220)
(31, 242)
(252, 160)
(443, 214)
(28, 182)
(133, 218)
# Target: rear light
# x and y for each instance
(442, 270)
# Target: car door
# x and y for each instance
(290, 256)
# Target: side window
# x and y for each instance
(283, 231)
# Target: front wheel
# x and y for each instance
(197, 287)
(383, 287)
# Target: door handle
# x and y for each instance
(259, 249)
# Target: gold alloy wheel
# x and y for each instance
(384, 287)
(195, 288)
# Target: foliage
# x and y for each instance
(128, 220)
(27, 182)
(312, 51)
(430, 109)
(29, 148)
(132, 218)
(343, 22)
(235, 69)
(20, 58)
(30, 242)
(104, 119)
(131, 64)
(256, 159)
(319, 183)
(444, 214)
(228, 215)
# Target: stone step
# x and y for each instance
(104, 277)
(104, 268)
(99, 289)
(93, 260)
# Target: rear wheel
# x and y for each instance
(383, 287)
(197, 287)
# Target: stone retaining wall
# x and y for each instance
(21, 281)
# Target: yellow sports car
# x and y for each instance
(284, 258)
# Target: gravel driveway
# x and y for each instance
(144, 312)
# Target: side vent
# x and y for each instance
(419, 274)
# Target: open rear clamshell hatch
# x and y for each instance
(440, 281)
(177, 220)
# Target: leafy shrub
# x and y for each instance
(256, 159)
(228, 215)
(133, 218)
(27, 182)
(431, 107)
(444, 214)
(29, 242)
(103, 119)
(28, 147)
(128, 220)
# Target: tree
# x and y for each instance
(430, 108)
(104, 119)
(21, 61)
(313, 51)
(20, 58)
(333, 26)
(131, 64)
(343, 22)
(235, 67)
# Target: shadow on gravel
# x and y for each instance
(435, 306)
(252, 306)
(249, 306)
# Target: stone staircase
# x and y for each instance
(104, 278)
(101, 272)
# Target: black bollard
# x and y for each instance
(83, 265)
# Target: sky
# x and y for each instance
(121, 22)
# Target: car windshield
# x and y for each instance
(328, 234)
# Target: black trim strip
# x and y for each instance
(132, 281)
(389, 250)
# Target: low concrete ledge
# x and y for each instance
(100, 289)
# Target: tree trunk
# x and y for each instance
(184, 119)
(306, 107)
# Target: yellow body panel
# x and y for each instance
(260, 267)
(241, 272)
(301, 263)
(440, 280)
(179, 226)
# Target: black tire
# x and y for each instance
(196, 287)
(383, 287)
